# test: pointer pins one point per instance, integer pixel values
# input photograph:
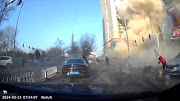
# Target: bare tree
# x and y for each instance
(7, 39)
(59, 44)
(43, 54)
(7, 12)
(76, 48)
(87, 43)
(53, 52)
(73, 49)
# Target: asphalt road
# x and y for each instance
(125, 79)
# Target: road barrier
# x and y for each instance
(50, 71)
(35, 76)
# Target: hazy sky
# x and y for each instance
(43, 21)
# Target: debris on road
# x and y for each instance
(147, 69)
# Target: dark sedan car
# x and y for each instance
(75, 67)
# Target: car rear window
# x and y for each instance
(4, 58)
(75, 61)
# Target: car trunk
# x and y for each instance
(75, 68)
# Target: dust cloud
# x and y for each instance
(144, 17)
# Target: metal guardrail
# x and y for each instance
(51, 71)
(35, 76)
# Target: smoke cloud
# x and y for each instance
(144, 17)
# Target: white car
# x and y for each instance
(6, 61)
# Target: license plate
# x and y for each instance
(74, 72)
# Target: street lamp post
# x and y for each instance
(126, 32)
(16, 32)
(148, 10)
(157, 41)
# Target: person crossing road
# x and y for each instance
(97, 61)
(107, 61)
(85, 60)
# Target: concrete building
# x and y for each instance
(112, 29)
(173, 9)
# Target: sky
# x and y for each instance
(43, 21)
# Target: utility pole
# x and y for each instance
(126, 32)
(148, 10)
(157, 41)
(16, 32)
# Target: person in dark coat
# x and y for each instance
(107, 61)
(85, 59)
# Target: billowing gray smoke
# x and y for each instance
(146, 17)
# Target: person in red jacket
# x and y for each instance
(163, 61)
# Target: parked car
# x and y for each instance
(6, 61)
(75, 67)
(173, 66)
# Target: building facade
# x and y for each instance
(112, 29)
(173, 9)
